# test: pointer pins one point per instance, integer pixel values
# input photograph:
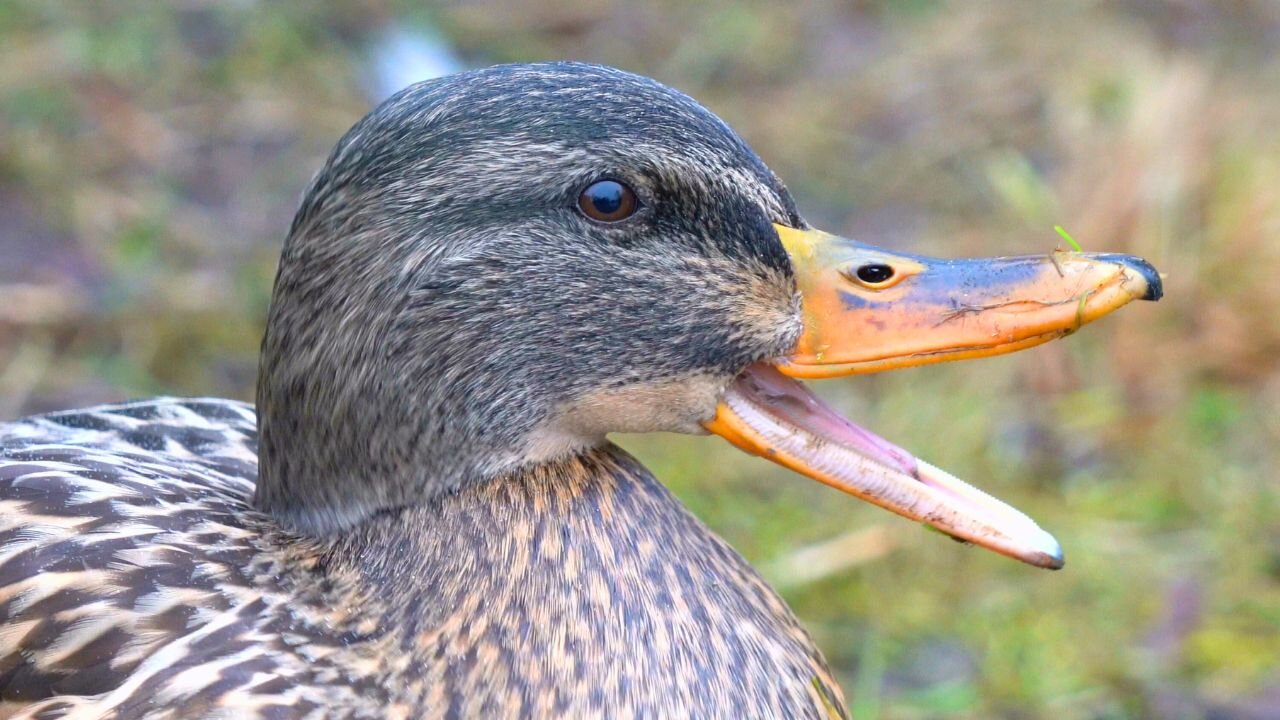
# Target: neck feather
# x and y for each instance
(585, 573)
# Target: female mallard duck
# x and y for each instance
(491, 273)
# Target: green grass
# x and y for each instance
(1071, 242)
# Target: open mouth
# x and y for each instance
(868, 310)
(770, 414)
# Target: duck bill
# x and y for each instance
(868, 310)
(931, 310)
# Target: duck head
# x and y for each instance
(496, 269)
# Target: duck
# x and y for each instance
(422, 515)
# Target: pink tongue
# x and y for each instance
(792, 402)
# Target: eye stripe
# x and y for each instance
(607, 201)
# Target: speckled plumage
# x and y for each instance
(440, 298)
(136, 580)
(438, 527)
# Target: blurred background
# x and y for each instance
(151, 159)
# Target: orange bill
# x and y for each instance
(868, 310)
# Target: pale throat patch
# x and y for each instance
(678, 405)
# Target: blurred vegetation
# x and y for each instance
(150, 160)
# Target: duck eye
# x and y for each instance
(607, 201)
(875, 273)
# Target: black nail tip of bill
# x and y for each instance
(1155, 286)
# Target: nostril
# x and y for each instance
(874, 273)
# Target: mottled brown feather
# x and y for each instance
(578, 589)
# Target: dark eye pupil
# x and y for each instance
(606, 197)
(608, 201)
(874, 273)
